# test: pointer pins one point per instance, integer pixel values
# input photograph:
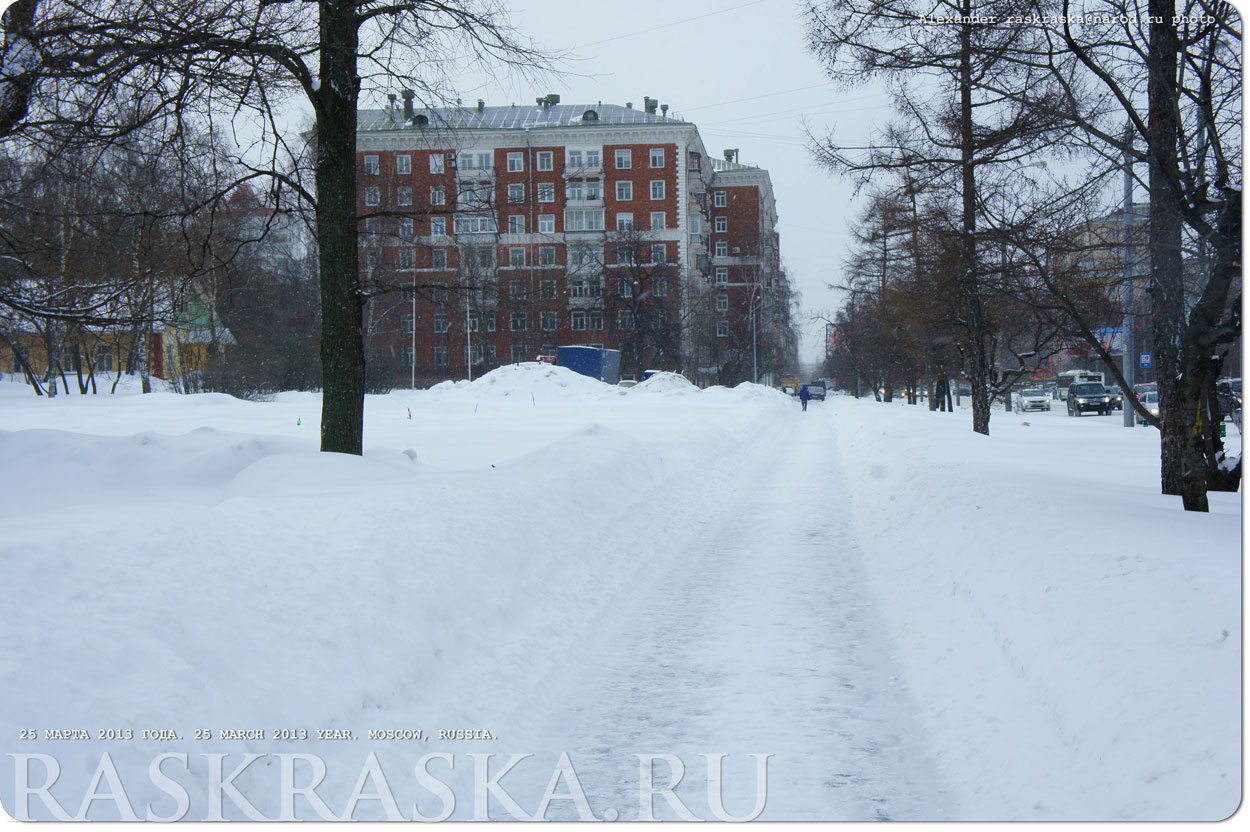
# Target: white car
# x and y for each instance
(1032, 399)
(1150, 401)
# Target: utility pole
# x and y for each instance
(1128, 360)
(412, 358)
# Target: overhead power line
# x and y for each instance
(674, 23)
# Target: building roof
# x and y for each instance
(722, 165)
(513, 117)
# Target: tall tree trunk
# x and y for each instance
(1166, 283)
(977, 366)
(342, 334)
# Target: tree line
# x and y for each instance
(972, 257)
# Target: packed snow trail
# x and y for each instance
(759, 638)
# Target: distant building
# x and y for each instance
(492, 235)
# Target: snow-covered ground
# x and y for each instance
(912, 620)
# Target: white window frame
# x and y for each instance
(545, 160)
(442, 323)
(662, 251)
(371, 166)
(404, 258)
(722, 329)
(577, 320)
(438, 163)
(403, 165)
(438, 226)
(718, 199)
(659, 220)
(573, 158)
(437, 255)
(373, 195)
(657, 189)
(546, 191)
(659, 287)
(624, 191)
(516, 193)
(546, 223)
(721, 250)
(516, 253)
(722, 303)
(657, 151)
(546, 255)
(516, 162)
(575, 219)
(720, 225)
(722, 275)
(629, 253)
(625, 221)
(624, 158)
(516, 223)
(403, 195)
(546, 317)
(438, 195)
(404, 228)
(517, 322)
(441, 358)
(624, 319)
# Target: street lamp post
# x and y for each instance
(1128, 346)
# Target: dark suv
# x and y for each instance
(816, 390)
(1088, 395)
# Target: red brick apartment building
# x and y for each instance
(492, 235)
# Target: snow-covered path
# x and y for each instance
(759, 638)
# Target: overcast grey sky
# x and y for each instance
(738, 69)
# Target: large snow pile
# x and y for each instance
(531, 378)
(1072, 636)
(665, 382)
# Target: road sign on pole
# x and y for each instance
(1145, 360)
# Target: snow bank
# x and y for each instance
(665, 383)
(1073, 637)
(210, 580)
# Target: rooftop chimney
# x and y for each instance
(664, 109)
(731, 154)
(390, 107)
(408, 96)
(649, 104)
(629, 105)
(481, 106)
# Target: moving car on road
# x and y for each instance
(816, 390)
(1117, 398)
(1032, 399)
(1150, 401)
(1084, 396)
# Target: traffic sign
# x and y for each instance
(1145, 360)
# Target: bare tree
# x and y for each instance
(195, 60)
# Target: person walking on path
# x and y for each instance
(804, 396)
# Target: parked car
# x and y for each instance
(1150, 401)
(816, 390)
(1146, 387)
(1229, 392)
(1032, 399)
(1117, 397)
(1084, 396)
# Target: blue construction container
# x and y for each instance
(601, 364)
